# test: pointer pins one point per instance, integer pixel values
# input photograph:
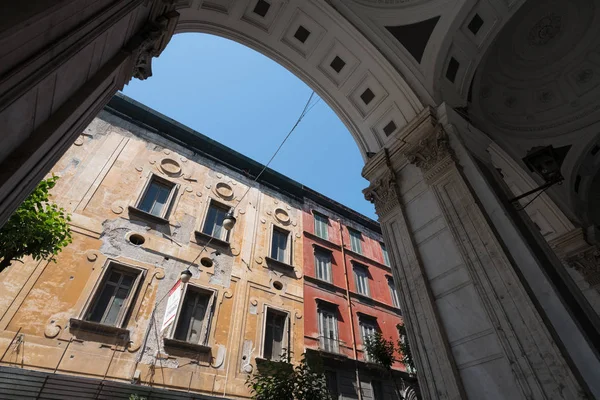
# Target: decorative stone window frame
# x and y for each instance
(288, 262)
(286, 330)
(204, 344)
(169, 205)
(81, 321)
(200, 227)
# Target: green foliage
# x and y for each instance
(404, 349)
(135, 396)
(276, 380)
(39, 228)
(380, 350)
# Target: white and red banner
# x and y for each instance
(174, 297)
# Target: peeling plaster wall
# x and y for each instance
(102, 177)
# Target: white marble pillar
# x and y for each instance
(473, 328)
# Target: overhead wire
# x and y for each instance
(305, 111)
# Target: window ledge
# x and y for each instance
(181, 344)
(206, 238)
(146, 215)
(325, 242)
(280, 264)
(95, 327)
(366, 259)
(269, 365)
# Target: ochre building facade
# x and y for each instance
(148, 199)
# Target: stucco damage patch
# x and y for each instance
(115, 244)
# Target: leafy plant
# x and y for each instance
(380, 350)
(135, 396)
(276, 380)
(39, 228)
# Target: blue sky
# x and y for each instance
(248, 102)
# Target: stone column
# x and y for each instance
(484, 337)
(59, 79)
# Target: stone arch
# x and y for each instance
(330, 36)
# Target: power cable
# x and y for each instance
(305, 110)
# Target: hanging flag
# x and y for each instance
(173, 300)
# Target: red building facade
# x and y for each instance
(348, 295)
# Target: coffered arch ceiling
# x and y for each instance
(322, 48)
(539, 85)
(435, 44)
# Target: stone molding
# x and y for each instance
(588, 264)
(383, 193)
(150, 43)
(433, 154)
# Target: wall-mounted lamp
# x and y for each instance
(546, 162)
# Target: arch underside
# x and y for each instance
(312, 41)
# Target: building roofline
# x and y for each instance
(147, 118)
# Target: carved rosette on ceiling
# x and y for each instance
(587, 263)
(383, 193)
(150, 43)
(432, 154)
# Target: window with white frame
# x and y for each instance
(386, 256)
(361, 279)
(323, 265)
(157, 196)
(328, 328)
(321, 225)
(193, 320)
(355, 240)
(368, 328)
(276, 335)
(393, 293)
(213, 224)
(114, 295)
(280, 246)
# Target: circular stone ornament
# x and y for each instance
(170, 166)
(282, 216)
(224, 190)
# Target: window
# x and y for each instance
(323, 265)
(157, 196)
(279, 245)
(361, 279)
(321, 223)
(114, 295)
(275, 338)
(332, 384)
(386, 256)
(393, 293)
(355, 241)
(213, 225)
(368, 328)
(193, 321)
(328, 330)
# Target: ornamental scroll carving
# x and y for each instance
(150, 43)
(587, 263)
(432, 154)
(383, 193)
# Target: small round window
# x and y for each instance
(206, 262)
(278, 285)
(136, 239)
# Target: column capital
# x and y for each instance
(383, 192)
(432, 153)
(587, 263)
